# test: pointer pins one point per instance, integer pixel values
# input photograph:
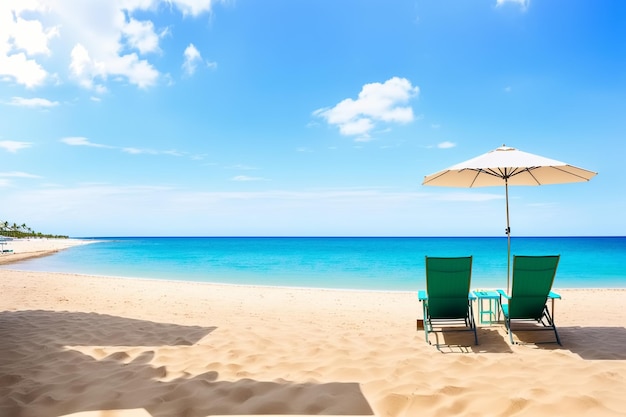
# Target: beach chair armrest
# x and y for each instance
(471, 296)
(503, 294)
(554, 295)
(421, 295)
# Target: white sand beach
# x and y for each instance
(91, 346)
(18, 249)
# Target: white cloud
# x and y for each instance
(31, 37)
(18, 174)
(193, 7)
(446, 145)
(141, 36)
(88, 69)
(21, 40)
(192, 59)
(14, 146)
(106, 40)
(356, 126)
(376, 103)
(32, 102)
(173, 152)
(80, 63)
(138, 151)
(80, 141)
(523, 3)
(19, 68)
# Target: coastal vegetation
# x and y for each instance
(14, 230)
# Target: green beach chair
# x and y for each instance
(530, 290)
(447, 300)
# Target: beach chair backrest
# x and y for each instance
(532, 281)
(447, 285)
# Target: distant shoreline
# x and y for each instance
(21, 249)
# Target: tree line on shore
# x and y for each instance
(22, 231)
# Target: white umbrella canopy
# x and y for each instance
(508, 166)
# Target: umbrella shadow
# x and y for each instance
(41, 369)
(490, 340)
(588, 342)
(54, 329)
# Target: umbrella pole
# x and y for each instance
(508, 239)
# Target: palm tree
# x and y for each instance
(23, 231)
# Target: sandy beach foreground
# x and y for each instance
(92, 346)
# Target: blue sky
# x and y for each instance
(253, 117)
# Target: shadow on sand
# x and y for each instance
(40, 371)
(588, 342)
(490, 340)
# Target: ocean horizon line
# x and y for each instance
(342, 237)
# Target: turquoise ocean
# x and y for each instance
(367, 263)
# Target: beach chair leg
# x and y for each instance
(475, 333)
(507, 324)
(472, 322)
(558, 339)
(551, 324)
(426, 322)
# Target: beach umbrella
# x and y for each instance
(507, 166)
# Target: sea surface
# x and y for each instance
(368, 263)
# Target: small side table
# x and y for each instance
(488, 305)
